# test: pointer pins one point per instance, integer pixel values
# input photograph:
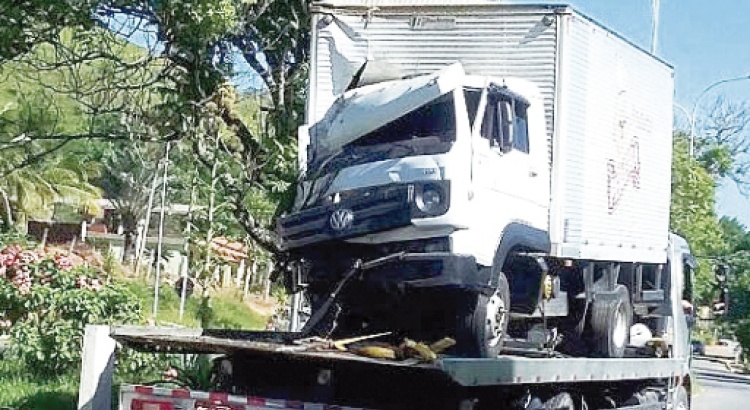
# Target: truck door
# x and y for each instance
(504, 174)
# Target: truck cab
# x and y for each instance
(429, 172)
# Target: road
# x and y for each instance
(720, 389)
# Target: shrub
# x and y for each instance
(45, 303)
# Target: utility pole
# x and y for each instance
(161, 231)
(654, 26)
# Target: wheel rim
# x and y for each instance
(496, 318)
(619, 335)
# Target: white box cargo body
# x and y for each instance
(608, 103)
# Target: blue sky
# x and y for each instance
(705, 41)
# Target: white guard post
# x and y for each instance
(98, 359)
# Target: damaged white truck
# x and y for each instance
(495, 174)
(516, 191)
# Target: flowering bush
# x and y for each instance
(45, 303)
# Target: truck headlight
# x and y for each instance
(431, 199)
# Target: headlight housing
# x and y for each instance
(431, 198)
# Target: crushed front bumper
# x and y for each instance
(428, 270)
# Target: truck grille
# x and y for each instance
(371, 210)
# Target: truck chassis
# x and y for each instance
(261, 370)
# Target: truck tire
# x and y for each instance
(562, 401)
(610, 324)
(483, 322)
(680, 399)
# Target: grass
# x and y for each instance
(228, 310)
(19, 390)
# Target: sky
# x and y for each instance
(705, 41)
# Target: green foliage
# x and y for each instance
(742, 332)
(693, 216)
(738, 259)
(45, 304)
(19, 389)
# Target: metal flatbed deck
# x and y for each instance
(505, 370)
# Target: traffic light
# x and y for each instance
(721, 302)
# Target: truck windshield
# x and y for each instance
(428, 130)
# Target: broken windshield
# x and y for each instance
(428, 130)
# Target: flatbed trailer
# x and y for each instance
(276, 370)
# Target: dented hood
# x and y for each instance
(363, 110)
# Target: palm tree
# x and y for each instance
(127, 177)
(35, 189)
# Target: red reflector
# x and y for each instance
(144, 390)
(205, 405)
(217, 397)
(140, 404)
(181, 394)
(256, 401)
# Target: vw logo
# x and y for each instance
(341, 219)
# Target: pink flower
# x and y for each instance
(62, 262)
(12, 249)
(22, 280)
(26, 257)
(171, 374)
(7, 259)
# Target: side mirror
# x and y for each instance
(688, 310)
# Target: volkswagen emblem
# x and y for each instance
(341, 219)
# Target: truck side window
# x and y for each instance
(687, 291)
(489, 123)
(505, 114)
(472, 97)
(521, 127)
(505, 124)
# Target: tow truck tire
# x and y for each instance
(483, 322)
(562, 401)
(680, 399)
(610, 324)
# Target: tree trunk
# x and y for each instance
(8, 211)
(128, 250)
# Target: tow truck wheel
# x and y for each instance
(483, 321)
(610, 324)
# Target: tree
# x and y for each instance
(723, 146)
(128, 179)
(35, 186)
(184, 80)
(692, 213)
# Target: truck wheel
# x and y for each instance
(562, 401)
(610, 324)
(680, 400)
(483, 322)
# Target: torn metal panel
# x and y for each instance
(366, 109)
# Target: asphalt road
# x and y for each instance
(719, 389)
